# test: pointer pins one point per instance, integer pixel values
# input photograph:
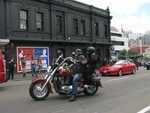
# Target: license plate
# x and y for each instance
(104, 71)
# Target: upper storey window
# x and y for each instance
(59, 24)
(23, 19)
(39, 21)
(75, 26)
(96, 29)
(82, 27)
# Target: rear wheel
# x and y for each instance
(147, 67)
(36, 93)
(120, 72)
(91, 90)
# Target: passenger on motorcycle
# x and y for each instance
(92, 60)
(80, 62)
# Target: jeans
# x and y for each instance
(76, 78)
(33, 70)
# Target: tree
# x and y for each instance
(129, 54)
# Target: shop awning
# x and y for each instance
(4, 41)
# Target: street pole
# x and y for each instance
(140, 43)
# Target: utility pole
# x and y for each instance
(140, 43)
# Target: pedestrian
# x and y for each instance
(79, 67)
(33, 67)
(11, 68)
(136, 63)
(23, 63)
(104, 62)
(39, 64)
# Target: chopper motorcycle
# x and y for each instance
(60, 77)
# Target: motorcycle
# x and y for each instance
(60, 76)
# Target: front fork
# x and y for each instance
(47, 78)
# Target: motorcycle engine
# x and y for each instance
(66, 88)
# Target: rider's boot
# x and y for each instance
(72, 98)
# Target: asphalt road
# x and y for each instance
(125, 94)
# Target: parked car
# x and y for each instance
(119, 68)
(2, 69)
(147, 64)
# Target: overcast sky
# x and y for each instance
(130, 14)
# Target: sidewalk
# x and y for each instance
(19, 76)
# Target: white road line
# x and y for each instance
(118, 79)
(144, 110)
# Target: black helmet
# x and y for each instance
(90, 50)
(78, 52)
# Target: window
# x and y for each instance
(96, 29)
(75, 26)
(59, 24)
(116, 34)
(119, 43)
(82, 27)
(23, 19)
(105, 30)
(39, 21)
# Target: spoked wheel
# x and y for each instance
(120, 72)
(91, 90)
(36, 93)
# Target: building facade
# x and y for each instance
(120, 43)
(31, 27)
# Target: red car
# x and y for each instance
(2, 69)
(119, 68)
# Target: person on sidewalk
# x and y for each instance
(23, 63)
(39, 64)
(33, 67)
(11, 68)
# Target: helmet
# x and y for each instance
(78, 52)
(90, 50)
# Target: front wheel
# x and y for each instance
(36, 93)
(91, 90)
(120, 72)
(133, 71)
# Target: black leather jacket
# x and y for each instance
(79, 66)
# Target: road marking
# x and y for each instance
(118, 79)
(58, 111)
(144, 110)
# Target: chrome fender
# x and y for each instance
(43, 80)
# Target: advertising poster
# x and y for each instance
(36, 52)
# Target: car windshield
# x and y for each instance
(119, 63)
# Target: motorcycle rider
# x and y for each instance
(80, 62)
(92, 59)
